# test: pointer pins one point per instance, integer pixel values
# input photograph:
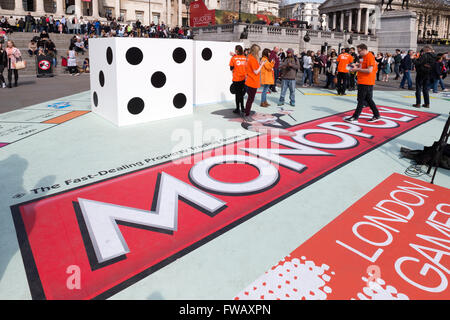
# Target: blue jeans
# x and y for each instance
(434, 85)
(285, 84)
(406, 77)
(264, 92)
(441, 83)
(307, 74)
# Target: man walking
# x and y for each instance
(343, 61)
(276, 68)
(289, 68)
(397, 61)
(424, 66)
(407, 66)
(366, 74)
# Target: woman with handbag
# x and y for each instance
(3, 65)
(14, 62)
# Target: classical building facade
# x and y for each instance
(251, 6)
(304, 11)
(363, 16)
(171, 12)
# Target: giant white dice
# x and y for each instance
(212, 73)
(136, 80)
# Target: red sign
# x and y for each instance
(119, 230)
(394, 243)
(44, 65)
(200, 16)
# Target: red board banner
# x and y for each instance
(394, 243)
(119, 230)
(200, 16)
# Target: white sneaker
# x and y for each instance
(4, 85)
(350, 119)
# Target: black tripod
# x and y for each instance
(439, 147)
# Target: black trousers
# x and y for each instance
(422, 84)
(2, 79)
(251, 92)
(16, 75)
(342, 81)
(239, 95)
(365, 98)
(352, 81)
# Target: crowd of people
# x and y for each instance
(353, 68)
(92, 28)
(400, 64)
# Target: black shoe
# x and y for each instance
(10, 85)
(374, 119)
(416, 105)
(15, 84)
(426, 105)
(236, 111)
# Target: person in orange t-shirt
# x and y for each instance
(238, 65)
(343, 76)
(253, 74)
(367, 72)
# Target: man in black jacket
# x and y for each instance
(406, 66)
(397, 62)
(29, 22)
(424, 66)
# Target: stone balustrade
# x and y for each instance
(270, 36)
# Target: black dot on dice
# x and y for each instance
(135, 105)
(179, 55)
(179, 101)
(158, 79)
(109, 55)
(101, 78)
(95, 99)
(206, 54)
(134, 56)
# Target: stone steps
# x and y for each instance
(62, 41)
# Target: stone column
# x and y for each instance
(374, 24)
(78, 8)
(60, 8)
(334, 20)
(117, 8)
(18, 7)
(342, 21)
(358, 21)
(94, 9)
(180, 9)
(350, 22)
(366, 26)
(40, 7)
(168, 7)
(150, 14)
